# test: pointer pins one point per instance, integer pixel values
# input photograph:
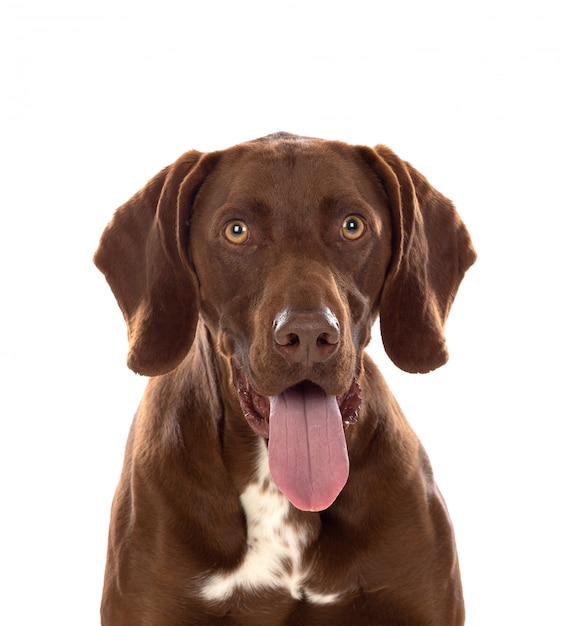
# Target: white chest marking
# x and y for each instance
(274, 546)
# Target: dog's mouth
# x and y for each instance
(305, 428)
(256, 408)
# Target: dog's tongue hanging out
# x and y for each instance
(308, 456)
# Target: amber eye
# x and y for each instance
(353, 227)
(236, 232)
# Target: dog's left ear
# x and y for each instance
(143, 254)
(432, 250)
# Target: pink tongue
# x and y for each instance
(308, 456)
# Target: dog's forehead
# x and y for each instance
(289, 167)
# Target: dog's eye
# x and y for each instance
(353, 227)
(236, 232)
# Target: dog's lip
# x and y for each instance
(256, 407)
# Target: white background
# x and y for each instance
(95, 98)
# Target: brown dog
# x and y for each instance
(270, 476)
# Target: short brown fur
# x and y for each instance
(197, 306)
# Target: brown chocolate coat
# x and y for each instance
(240, 274)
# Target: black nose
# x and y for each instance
(306, 337)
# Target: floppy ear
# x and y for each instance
(432, 250)
(143, 254)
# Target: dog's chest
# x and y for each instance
(275, 547)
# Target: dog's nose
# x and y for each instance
(306, 337)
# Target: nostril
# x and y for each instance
(292, 340)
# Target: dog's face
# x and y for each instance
(299, 234)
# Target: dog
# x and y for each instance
(270, 476)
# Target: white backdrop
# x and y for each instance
(95, 98)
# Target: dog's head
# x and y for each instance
(287, 248)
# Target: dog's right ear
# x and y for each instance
(143, 254)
